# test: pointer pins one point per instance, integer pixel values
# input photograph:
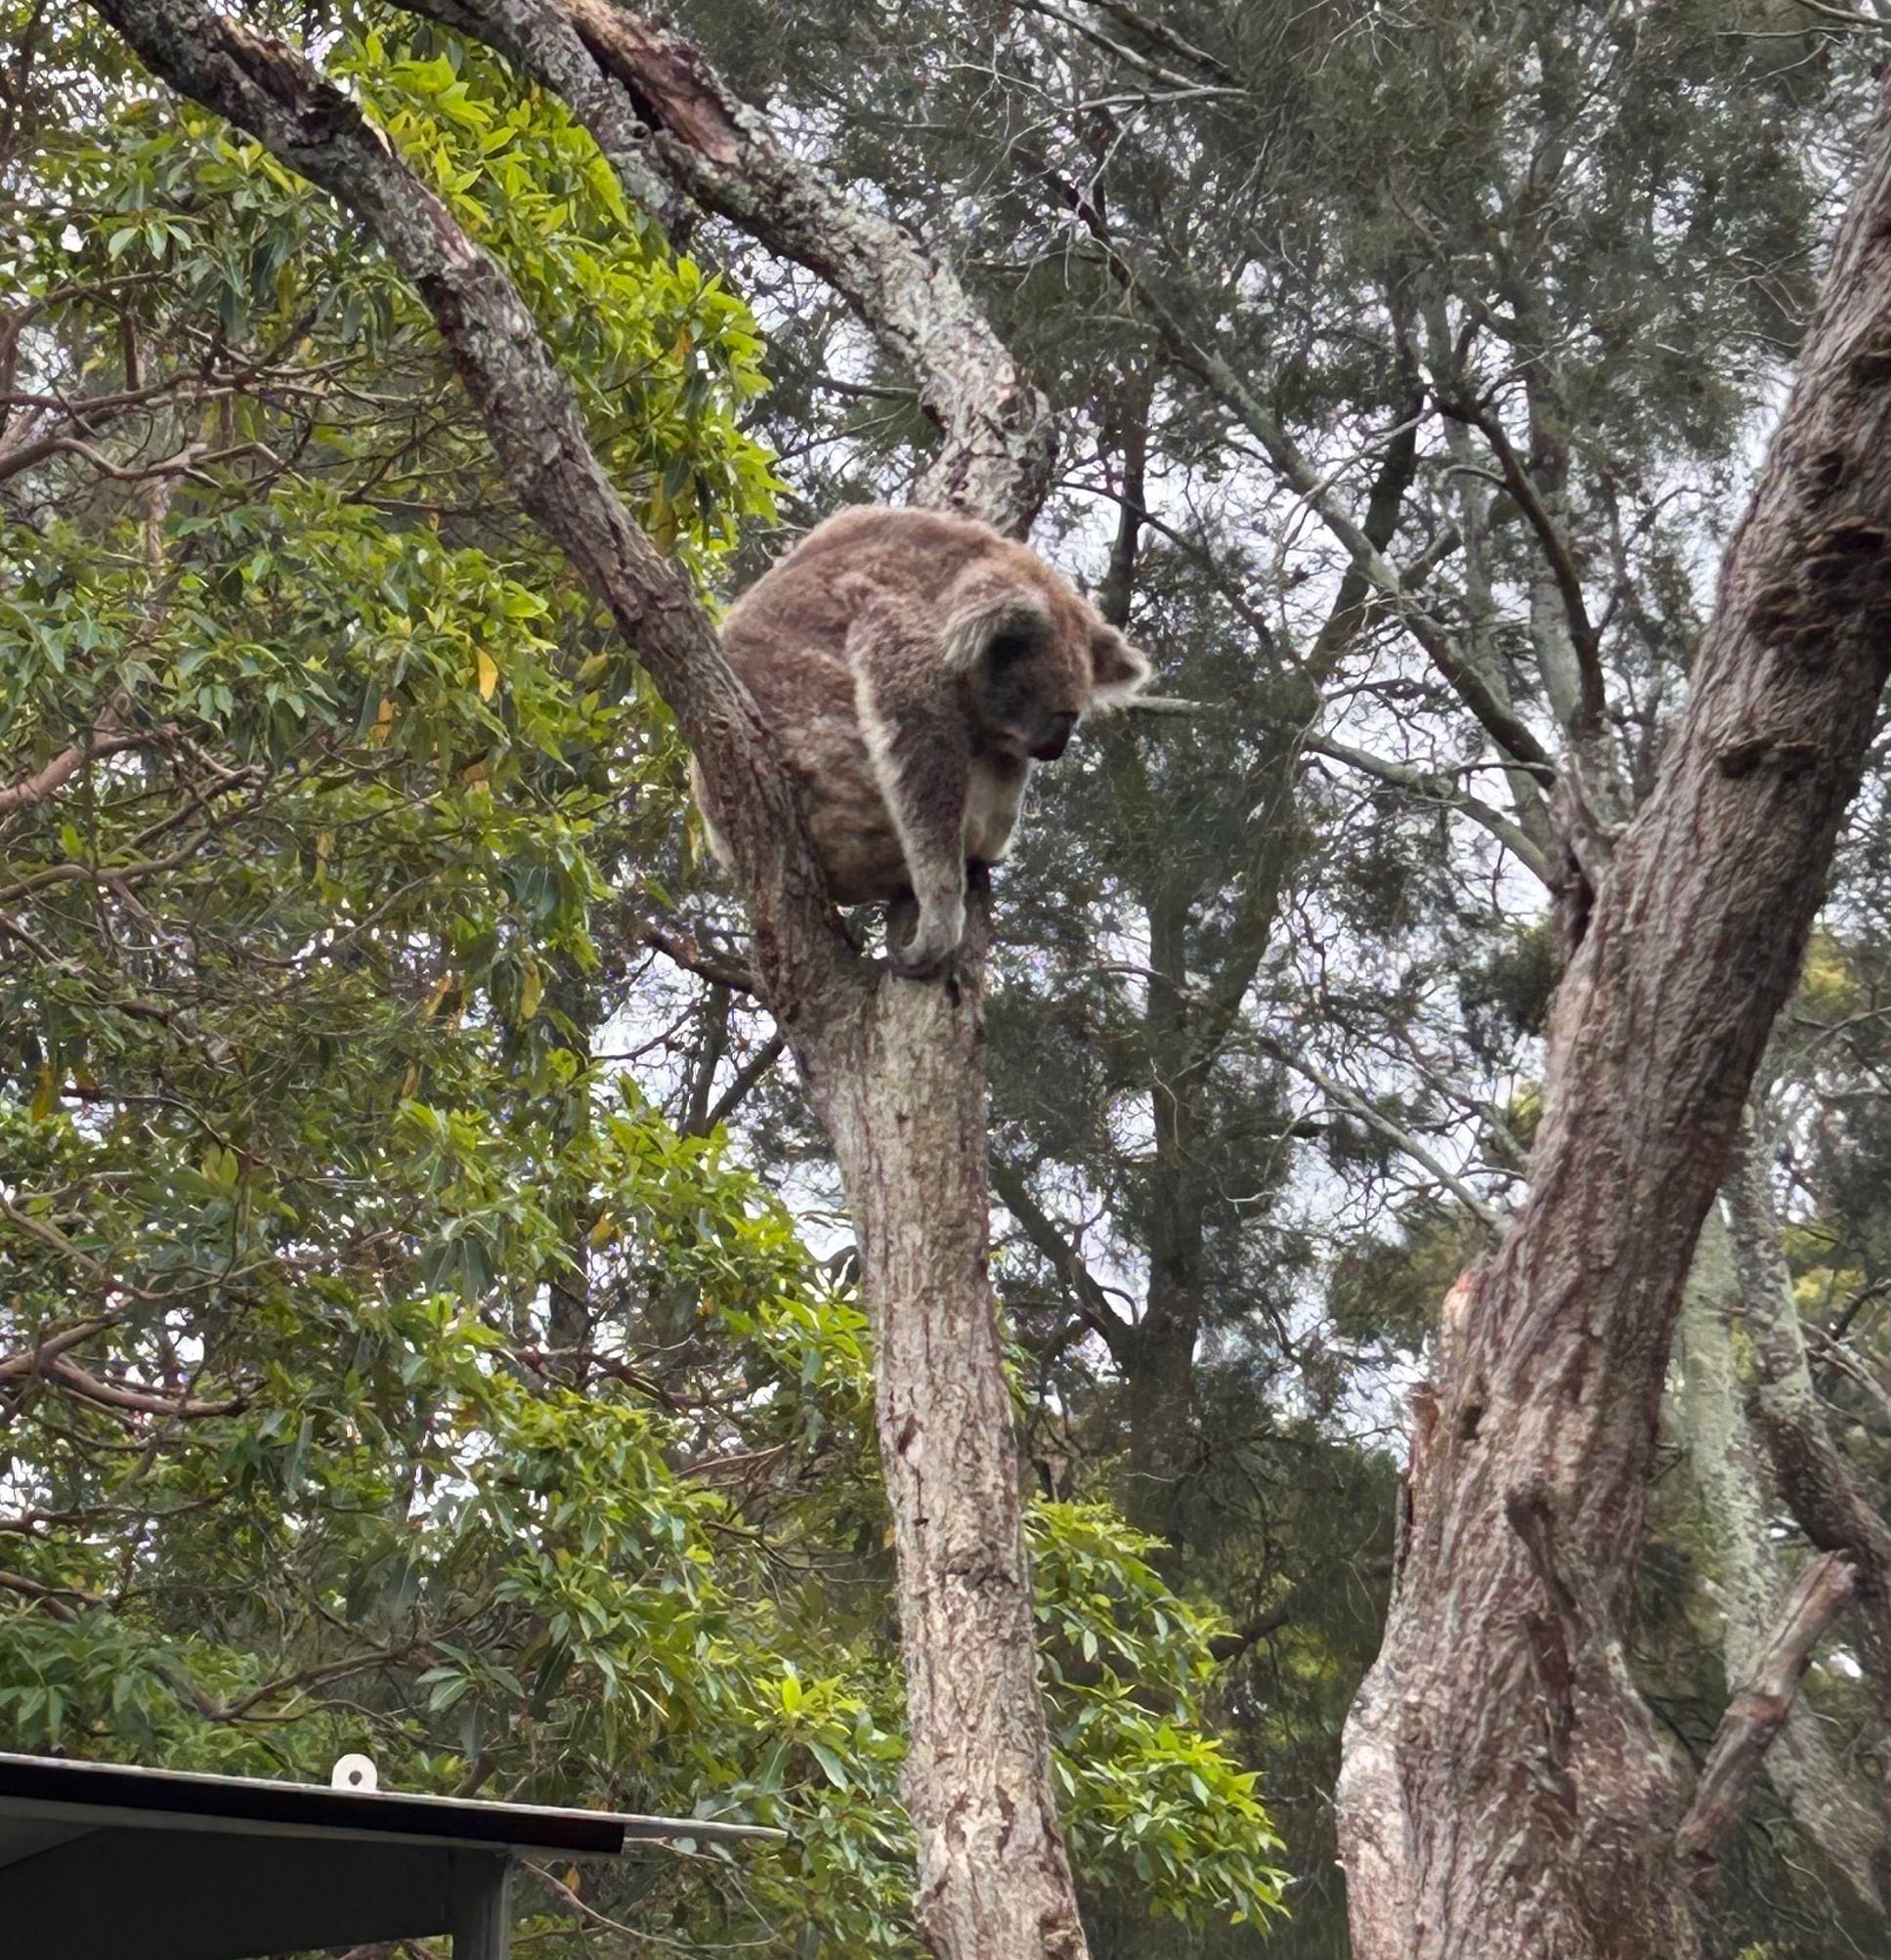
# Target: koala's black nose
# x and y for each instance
(1057, 739)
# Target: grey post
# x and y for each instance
(482, 1907)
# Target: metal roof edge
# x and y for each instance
(191, 1799)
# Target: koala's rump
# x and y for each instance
(806, 697)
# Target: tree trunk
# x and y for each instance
(1504, 1790)
(901, 1089)
(1158, 1363)
(1809, 1469)
(1738, 1506)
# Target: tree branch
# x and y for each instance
(1511, 734)
(28, 790)
(1584, 637)
(999, 441)
(684, 949)
(1097, 1314)
(1428, 782)
(532, 418)
(746, 1078)
(1357, 1105)
(1755, 1714)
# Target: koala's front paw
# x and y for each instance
(934, 941)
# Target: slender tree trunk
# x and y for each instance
(901, 1089)
(1809, 1469)
(1505, 1791)
(1737, 1502)
(1158, 1362)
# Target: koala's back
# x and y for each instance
(915, 552)
(806, 697)
(785, 635)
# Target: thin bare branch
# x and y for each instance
(1583, 634)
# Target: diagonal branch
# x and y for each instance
(998, 438)
(532, 418)
(744, 1081)
(1357, 1105)
(1584, 636)
(1756, 1711)
(1501, 722)
(26, 791)
(1429, 783)
(1097, 1314)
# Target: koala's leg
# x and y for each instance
(914, 724)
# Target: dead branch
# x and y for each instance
(1755, 1712)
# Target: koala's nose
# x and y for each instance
(1058, 730)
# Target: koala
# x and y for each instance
(912, 667)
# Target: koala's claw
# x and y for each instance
(918, 960)
(931, 949)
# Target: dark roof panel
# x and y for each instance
(48, 1787)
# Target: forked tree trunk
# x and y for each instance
(1505, 1791)
(896, 1069)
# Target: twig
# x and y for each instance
(1357, 1105)
(746, 1077)
(686, 952)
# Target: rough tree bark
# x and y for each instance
(1505, 1791)
(895, 1069)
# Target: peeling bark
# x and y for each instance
(1504, 1789)
(894, 1069)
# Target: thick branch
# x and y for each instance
(1755, 1714)
(28, 790)
(132, 1397)
(998, 438)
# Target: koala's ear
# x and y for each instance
(1118, 669)
(979, 612)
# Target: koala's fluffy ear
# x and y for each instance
(982, 610)
(1118, 669)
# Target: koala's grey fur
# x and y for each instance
(913, 665)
